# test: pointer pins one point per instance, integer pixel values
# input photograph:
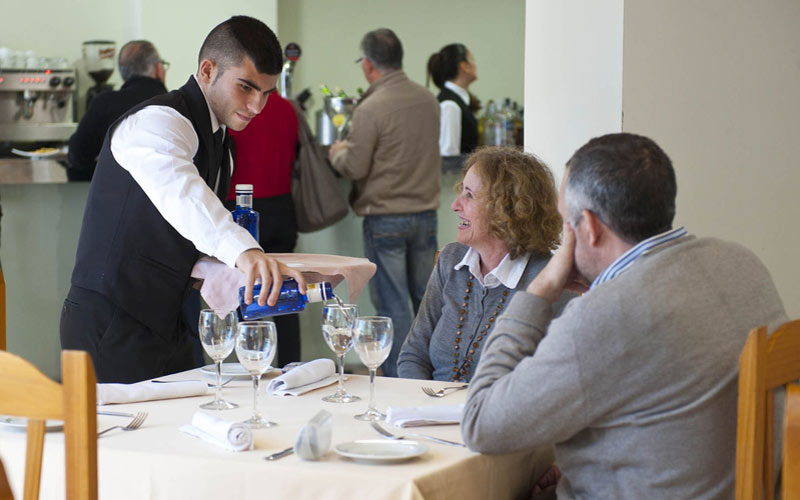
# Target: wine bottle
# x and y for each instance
(289, 301)
(243, 214)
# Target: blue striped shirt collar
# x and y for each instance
(627, 259)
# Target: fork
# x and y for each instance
(212, 386)
(442, 392)
(134, 424)
(388, 435)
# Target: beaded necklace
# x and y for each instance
(462, 374)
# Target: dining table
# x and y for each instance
(159, 461)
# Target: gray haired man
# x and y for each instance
(636, 382)
(144, 73)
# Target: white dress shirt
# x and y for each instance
(450, 124)
(156, 145)
(507, 273)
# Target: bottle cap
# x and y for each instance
(244, 187)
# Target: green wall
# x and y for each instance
(41, 222)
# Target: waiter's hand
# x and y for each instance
(335, 148)
(560, 273)
(259, 266)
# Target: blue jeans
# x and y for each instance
(403, 247)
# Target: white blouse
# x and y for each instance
(450, 124)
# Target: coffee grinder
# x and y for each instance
(100, 58)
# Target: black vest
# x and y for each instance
(469, 125)
(127, 251)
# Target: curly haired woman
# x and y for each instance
(508, 226)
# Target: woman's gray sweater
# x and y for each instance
(429, 352)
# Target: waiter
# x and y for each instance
(155, 206)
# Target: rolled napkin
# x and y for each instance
(233, 436)
(414, 416)
(147, 391)
(314, 439)
(304, 378)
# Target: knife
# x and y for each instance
(275, 456)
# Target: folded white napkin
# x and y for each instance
(233, 436)
(148, 391)
(304, 378)
(413, 416)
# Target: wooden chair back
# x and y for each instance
(2, 312)
(5, 488)
(27, 392)
(764, 365)
(791, 444)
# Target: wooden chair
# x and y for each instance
(765, 364)
(5, 488)
(2, 311)
(27, 392)
(791, 444)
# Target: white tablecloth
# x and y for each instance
(159, 462)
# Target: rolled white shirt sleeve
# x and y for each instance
(450, 129)
(156, 146)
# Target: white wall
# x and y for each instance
(573, 75)
(716, 84)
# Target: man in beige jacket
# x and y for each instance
(392, 157)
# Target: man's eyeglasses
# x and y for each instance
(165, 64)
(360, 59)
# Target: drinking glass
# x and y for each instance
(372, 338)
(256, 342)
(338, 321)
(217, 334)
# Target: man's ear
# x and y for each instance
(593, 227)
(368, 65)
(207, 71)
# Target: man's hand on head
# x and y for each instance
(257, 265)
(560, 273)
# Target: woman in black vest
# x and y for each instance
(453, 69)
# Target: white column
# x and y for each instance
(573, 75)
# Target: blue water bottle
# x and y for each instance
(243, 214)
(289, 301)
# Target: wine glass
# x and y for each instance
(256, 342)
(338, 321)
(372, 339)
(217, 334)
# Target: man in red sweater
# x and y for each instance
(264, 154)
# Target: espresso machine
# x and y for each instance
(36, 105)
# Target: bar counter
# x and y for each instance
(31, 171)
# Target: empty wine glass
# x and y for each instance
(372, 338)
(256, 342)
(217, 334)
(337, 329)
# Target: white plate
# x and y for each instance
(234, 370)
(21, 424)
(34, 154)
(380, 450)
